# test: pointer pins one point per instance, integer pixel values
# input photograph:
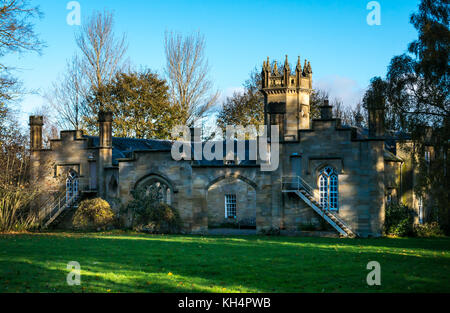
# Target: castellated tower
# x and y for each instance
(286, 97)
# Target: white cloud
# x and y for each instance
(343, 88)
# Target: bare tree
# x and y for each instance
(187, 71)
(102, 55)
(317, 99)
(350, 115)
(16, 30)
(16, 35)
(102, 52)
(68, 95)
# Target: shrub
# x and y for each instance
(428, 230)
(158, 219)
(93, 214)
(151, 216)
(399, 220)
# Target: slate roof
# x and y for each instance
(245, 162)
(124, 147)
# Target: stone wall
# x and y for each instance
(70, 152)
(245, 202)
(198, 191)
(360, 165)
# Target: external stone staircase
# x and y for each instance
(55, 209)
(299, 187)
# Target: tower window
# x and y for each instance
(230, 206)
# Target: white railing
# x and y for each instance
(296, 183)
(53, 207)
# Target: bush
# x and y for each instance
(428, 230)
(151, 216)
(93, 214)
(399, 220)
(158, 219)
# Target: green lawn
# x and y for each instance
(119, 262)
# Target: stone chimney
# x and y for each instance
(326, 111)
(376, 122)
(105, 129)
(104, 160)
(36, 123)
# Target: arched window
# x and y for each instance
(329, 189)
(69, 189)
(158, 191)
(71, 186)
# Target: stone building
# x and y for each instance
(328, 172)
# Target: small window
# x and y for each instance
(389, 199)
(230, 206)
(420, 205)
(427, 157)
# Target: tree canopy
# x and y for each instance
(416, 99)
(141, 105)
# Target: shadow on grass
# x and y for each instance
(139, 263)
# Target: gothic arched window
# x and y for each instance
(329, 188)
(158, 191)
(72, 186)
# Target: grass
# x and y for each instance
(128, 262)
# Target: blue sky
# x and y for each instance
(345, 52)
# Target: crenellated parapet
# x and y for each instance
(272, 77)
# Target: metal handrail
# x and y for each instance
(298, 184)
(312, 192)
(60, 202)
(326, 200)
(49, 205)
(51, 200)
